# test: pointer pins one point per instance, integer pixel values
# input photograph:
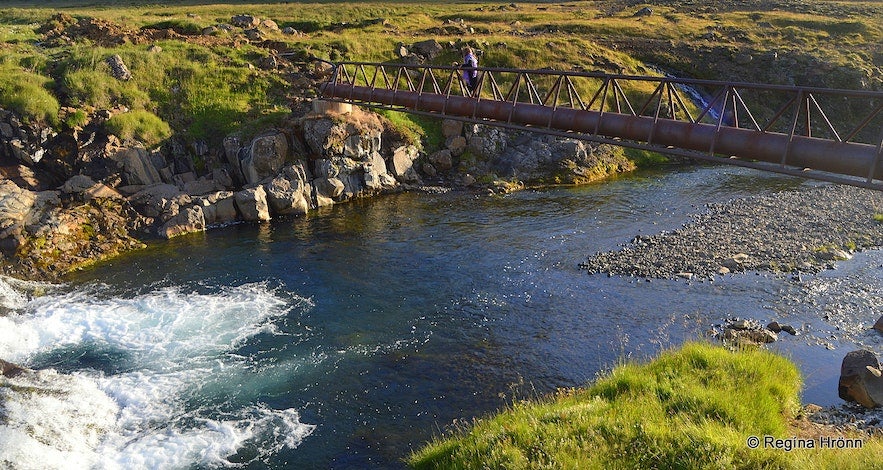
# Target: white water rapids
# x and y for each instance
(177, 347)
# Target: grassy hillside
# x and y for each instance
(206, 83)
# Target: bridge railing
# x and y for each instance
(839, 116)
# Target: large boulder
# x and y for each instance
(402, 164)
(218, 208)
(252, 204)
(267, 155)
(288, 192)
(202, 187)
(15, 208)
(21, 213)
(442, 160)
(376, 176)
(860, 379)
(540, 159)
(188, 220)
(245, 21)
(430, 48)
(328, 189)
(156, 200)
(137, 167)
(324, 168)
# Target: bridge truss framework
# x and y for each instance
(784, 129)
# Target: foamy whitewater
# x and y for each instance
(170, 348)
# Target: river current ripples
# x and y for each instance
(349, 337)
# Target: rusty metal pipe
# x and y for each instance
(847, 158)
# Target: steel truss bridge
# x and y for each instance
(825, 134)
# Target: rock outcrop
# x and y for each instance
(52, 232)
(70, 199)
(349, 149)
(533, 159)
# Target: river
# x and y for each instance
(346, 338)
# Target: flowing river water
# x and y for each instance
(347, 338)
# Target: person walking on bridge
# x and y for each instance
(470, 69)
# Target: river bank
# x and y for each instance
(661, 414)
(790, 232)
(108, 153)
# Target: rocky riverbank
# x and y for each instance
(96, 176)
(801, 231)
(70, 199)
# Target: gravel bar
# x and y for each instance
(803, 231)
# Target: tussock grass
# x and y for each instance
(27, 94)
(142, 125)
(693, 407)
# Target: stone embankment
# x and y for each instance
(796, 232)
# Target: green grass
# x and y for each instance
(209, 89)
(693, 407)
(142, 125)
(76, 119)
(422, 131)
(204, 92)
(27, 93)
(645, 158)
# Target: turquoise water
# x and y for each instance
(349, 337)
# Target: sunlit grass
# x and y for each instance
(693, 407)
(28, 94)
(568, 36)
(142, 125)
